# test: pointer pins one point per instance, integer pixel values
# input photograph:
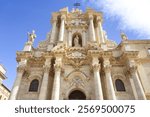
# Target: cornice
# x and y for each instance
(130, 54)
(135, 42)
(23, 55)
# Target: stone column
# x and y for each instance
(45, 81)
(97, 80)
(136, 84)
(91, 29)
(100, 30)
(83, 37)
(62, 28)
(53, 34)
(69, 38)
(109, 84)
(15, 89)
(56, 83)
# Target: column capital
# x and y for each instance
(58, 66)
(69, 29)
(63, 17)
(91, 17)
(21, 68)
(83, 30)
(133, 69)
(53, 21)
(96, 67)
(98, 19)
(46, 68)
(107, 68)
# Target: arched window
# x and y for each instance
(34, 85)
(119, 85)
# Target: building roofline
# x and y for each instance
(6, 88)
(3, 76)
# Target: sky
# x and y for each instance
(17, 17)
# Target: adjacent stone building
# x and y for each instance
(78, 61)
(4, 91)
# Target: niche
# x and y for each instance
(76, 40)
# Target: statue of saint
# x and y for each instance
(76, 41)
(31, 36)
(124, 36)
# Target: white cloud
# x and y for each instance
(133, 15)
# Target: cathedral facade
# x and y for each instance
(77, 61)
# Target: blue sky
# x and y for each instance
(17, 17)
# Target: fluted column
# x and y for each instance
(136, 84)
(91, 29)
(109, 84)
(100, 31)
(45, 81)
(15, 89)
(62, 28)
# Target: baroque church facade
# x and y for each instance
(78, 62)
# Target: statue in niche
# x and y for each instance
(76, 41)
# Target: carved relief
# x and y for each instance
(77, 82)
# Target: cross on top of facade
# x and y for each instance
(77, 4)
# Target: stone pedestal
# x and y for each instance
(28, 46)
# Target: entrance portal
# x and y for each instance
(77, 95)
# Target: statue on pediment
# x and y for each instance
(124, 36)
(31, 36)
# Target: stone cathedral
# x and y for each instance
(77, 61)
